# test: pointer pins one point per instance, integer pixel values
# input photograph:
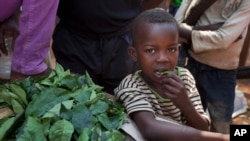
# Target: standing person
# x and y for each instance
(217, 39)
(174, 6)
(159, 88)
(94, 36)
(35, 27)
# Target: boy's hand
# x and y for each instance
(173, 88)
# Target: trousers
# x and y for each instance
(217, 91)
(105, 58)
(36, 24)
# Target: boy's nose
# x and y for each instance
(162, 57)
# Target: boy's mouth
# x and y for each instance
(165, 72)
(168, 72)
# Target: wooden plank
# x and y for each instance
(5, 112)
(245, 49)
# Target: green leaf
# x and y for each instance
(59, 69)
(117, 121)
(83, 95)
(94, 135)
(103, 118)
(70, 82)
(115, 135)
(55, 111)
(89, 79)
(65, 113)
(5, 96)
(168, 72)
(5, 126)
(46, 122)
(93, 94)
(82, 118)
(70, 98)
(82, 80)
(61, 73)
(84, 136)
(30, 87)
(32, 131)
(96, 88)
(16, 106)
(104, 136)
(46, 100)
(19, 91)
(61, 130)
(94, 99)
(99, 107)
(68, 104)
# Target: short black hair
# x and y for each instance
(156, 15)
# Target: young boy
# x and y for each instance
(160, 88)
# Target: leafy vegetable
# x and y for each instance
(61, 130)
(61, 107)
(166, 72)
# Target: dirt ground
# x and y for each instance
(244, 86)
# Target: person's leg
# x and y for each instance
(8, 8)
(217, 90)
(77, 52)
(220, 98)
(36, 25)
(105, 59)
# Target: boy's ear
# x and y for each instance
(132, 53)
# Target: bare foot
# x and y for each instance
(19, 76)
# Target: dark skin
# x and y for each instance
(156, 50)
(187, 34)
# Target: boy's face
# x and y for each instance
(155, 49)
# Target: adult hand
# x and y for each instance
(187, 34)
(8, 27)
(212, 27)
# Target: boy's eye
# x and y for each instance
(150, 51)
(172, 49)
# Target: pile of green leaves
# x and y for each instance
(60, 107)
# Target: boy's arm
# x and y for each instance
(186, 99)
(153, 129)
(195, 119)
